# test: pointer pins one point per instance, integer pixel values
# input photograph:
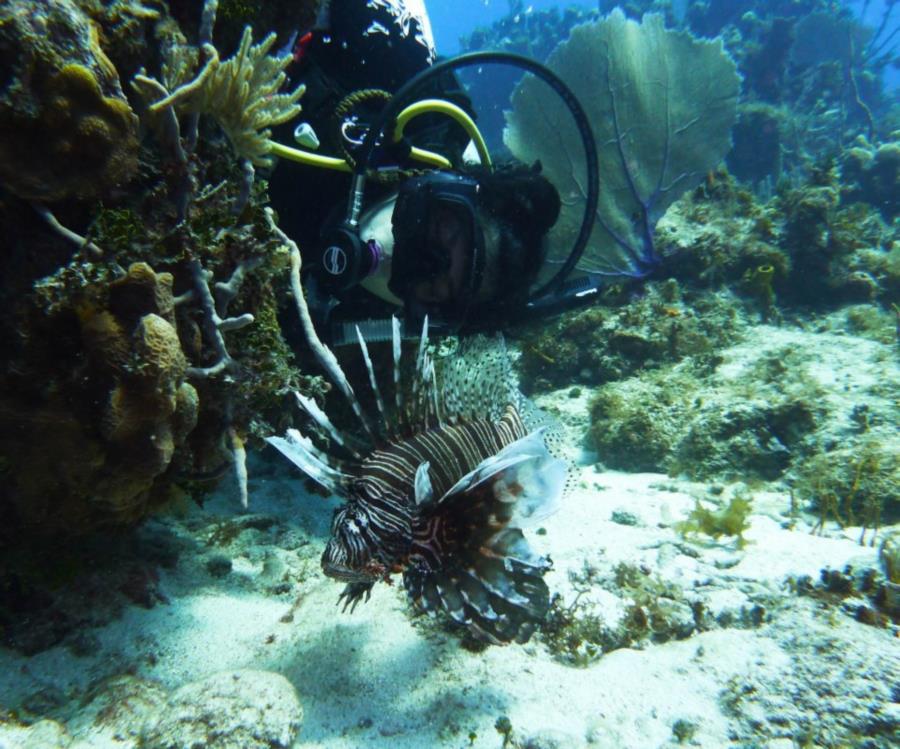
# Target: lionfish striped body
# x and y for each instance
(443, 498)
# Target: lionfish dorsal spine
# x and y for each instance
(340, 381)
(420, 359)
(431, 377)
(312, 461)
(321, 418)
(379, 401)
(396, 347)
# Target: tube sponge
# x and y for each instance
(661, 104)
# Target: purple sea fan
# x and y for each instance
(461, 463)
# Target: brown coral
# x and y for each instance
(66, 129)
(90, 449)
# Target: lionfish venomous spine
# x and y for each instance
(462, 461)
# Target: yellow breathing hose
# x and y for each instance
(308, 158)
(426, 106)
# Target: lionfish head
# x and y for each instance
(351, 555)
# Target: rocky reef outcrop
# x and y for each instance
(141, 275)
(66, 128)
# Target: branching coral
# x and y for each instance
(214, 324)
(323, 354)
(67, 234)
(125, 386)
(241, 94)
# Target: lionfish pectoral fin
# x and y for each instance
(482, 572)
(423, 488)
(534, 486)
(353, 593)
(497, 600)
(515, 452)
(523, 474)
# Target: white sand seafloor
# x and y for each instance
(769, 668)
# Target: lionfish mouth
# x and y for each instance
(366, 574)
(347, 575)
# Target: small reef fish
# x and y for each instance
(460, 464)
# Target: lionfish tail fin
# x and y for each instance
(471, 559)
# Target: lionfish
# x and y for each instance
(462, 461)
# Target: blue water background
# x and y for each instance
(452, 19)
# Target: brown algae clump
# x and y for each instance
(731, 520)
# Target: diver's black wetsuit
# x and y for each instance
(358, 44)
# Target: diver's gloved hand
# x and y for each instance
(353, 593)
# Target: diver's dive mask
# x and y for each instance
(439, 254)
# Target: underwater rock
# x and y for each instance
(663, 324)
(241, 709)
(45, 734)
(131, 32)
(808, 214)
(753, 438)
(870, 320)
(720, 234)
(890, 562)
(830, 685)
(855, 483)
(890, 558)
(629, 436)
(755, 156)
(808, 245)
(549, 739)
(116, 711)
(879, 268)
(66, 128)
(872, 175)
(765, 53)
(755, 410)
(823, 250)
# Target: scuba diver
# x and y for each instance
(425, 223)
